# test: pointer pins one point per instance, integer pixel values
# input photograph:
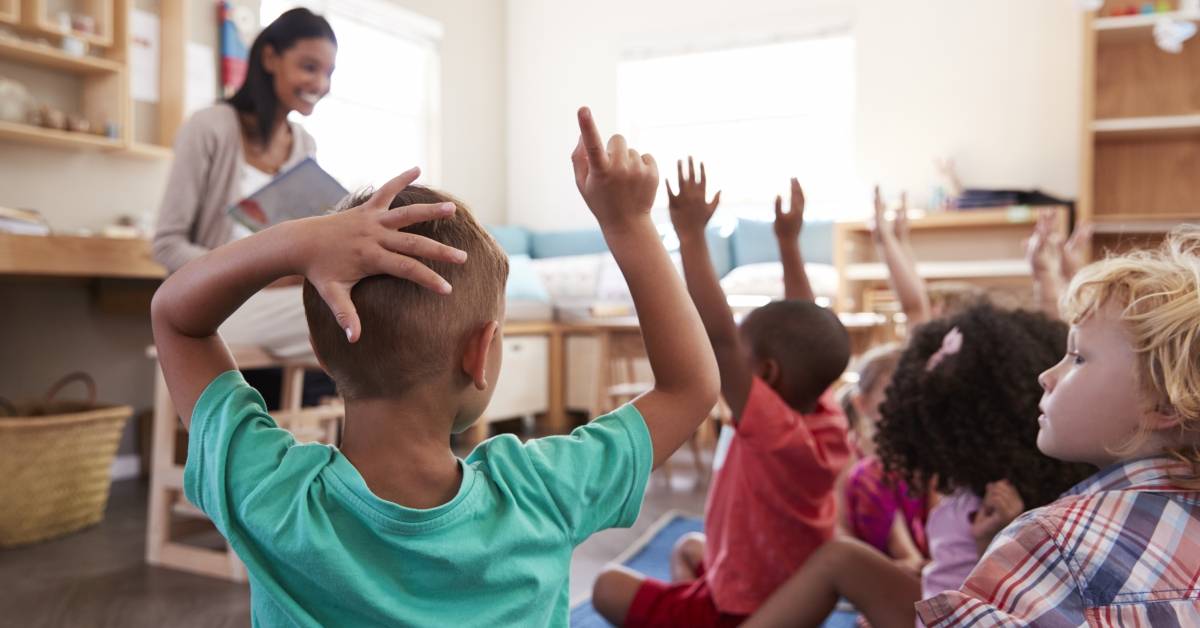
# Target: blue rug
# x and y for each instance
(653, 558)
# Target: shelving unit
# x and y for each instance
(1140, 142)
(103, 74)
(983, 246)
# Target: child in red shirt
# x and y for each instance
(772, 500)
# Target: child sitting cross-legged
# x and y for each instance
(1118, 549)
(772, 502)
(392, 528)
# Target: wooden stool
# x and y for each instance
(319, 424)
(620, 353)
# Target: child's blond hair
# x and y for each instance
(1159, 291)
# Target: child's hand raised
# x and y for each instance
(1075, 251)
(788, 225)
(690, 212)
(334, 252)
(1044, 248)
(617, 183)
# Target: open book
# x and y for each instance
(302, 191)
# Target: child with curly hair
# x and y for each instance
(1118, 549)
(956, 423)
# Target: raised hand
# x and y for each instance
(1043, 250)
(690, 211)
(1075, 252)
(617, 183)
(789, 225)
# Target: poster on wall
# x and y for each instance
(144, 55)
(233, 47)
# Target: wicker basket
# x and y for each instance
(55, 464)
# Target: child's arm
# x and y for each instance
(334, 252)
(690, 213)
(619, 185)
(1075, 251)
(787, 231)
(1043, 252)
(902, 268)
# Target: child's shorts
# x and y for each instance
(690, 604)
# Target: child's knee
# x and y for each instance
(613, 593)
(690, 545)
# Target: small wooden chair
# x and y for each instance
(620, 354)
(167, 503)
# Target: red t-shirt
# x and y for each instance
(772, 500)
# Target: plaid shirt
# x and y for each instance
(1120, 549)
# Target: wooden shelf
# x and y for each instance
(1000, 216)
(29, 134)
(975, 269)
(1133, 27)
(1141, 223)
(51, 57)
(10, 12)
(148, 151)
(1147, 127)
(74, 256)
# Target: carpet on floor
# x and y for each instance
(651, 555)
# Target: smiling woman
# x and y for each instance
(229, 150)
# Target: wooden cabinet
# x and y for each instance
(1140, 142)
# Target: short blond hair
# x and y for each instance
(1158, 292)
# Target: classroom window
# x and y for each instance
(757, 116)
(382, 114)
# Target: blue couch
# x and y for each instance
(749, 242)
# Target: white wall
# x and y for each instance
(994, 83)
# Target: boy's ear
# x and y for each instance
(475, 358)
(769, 372)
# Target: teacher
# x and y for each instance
(229, 150)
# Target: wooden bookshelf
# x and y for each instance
(1140, 141)
(104, 96)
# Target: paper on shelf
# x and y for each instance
(144, 51)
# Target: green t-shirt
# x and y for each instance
(322, 550)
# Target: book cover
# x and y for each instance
(302, 191)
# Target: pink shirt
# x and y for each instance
(772, 501)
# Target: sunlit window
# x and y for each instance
(382, 113)
(757, 116)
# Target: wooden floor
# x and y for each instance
(97, 577)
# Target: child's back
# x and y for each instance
(392, 528)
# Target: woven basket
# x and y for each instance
(55, 463)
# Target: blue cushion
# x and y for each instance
(563, 243)
(720, 250)
(514, 240)
(753, 242)
(524, 283)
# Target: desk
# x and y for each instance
(78, 257)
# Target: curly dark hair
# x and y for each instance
(972, 419)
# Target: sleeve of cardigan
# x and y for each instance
(184, 196)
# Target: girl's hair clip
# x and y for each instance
(951, 344)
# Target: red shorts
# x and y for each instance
(690, 604)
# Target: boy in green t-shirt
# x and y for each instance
(392, 528)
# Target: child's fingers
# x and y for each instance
(670, 192)
(703, 177)
(408, 215)
(593, 144)
(337, 297)
(878, 203)
(679, 173)
(405, 267)
(425, 248)
(579, 161)
(691, 170)
(716, 201)
(797, 195)
(382, 197)
(617, 148)
(778, 207)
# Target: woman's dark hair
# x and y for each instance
(256, 96)
(972, 418)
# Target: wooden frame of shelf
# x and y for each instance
(102, 11)
(1140, 135)
(10, 12)
(51, 57)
